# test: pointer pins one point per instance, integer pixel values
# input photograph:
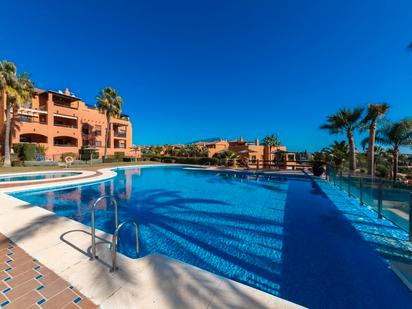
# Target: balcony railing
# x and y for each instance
(73, 126)
(30, 120)
(119, 134)
(65, 105)
(64, 145)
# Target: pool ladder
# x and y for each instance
(115, 238)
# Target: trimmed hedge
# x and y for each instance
(41, 163)
(185, 160)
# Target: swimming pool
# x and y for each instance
(280, 235)
(37, 176)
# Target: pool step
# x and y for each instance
(403, 271)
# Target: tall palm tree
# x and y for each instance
(395, 135)
(18, 89)
(346, 121)
(374, 113)
(271, 141)
(110, 103)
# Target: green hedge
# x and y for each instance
(41, 163)
(185, 160)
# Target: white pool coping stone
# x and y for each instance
(79, 174)
(154, 281)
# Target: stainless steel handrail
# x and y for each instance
(114, 242)
(116, 220)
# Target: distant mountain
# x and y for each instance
(210, 139)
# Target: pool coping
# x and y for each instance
(151, 282)
(79, 174)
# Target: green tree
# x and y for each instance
(395, 135)
(374, 113)
(18, 89)
(227, 155)
(337, 153)
(271, 141)
(110, 103)
(346, 121)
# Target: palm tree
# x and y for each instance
(227, 155)
(110, 103)
(18, 89)
(271, 141)
(374, 112)
(395, 135)
(336, 153)
(346, 121)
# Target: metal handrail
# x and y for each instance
(115, 238)
(116, 220)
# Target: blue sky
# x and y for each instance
(195, 69)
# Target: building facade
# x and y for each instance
(64, 123)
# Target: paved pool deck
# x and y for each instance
(154, 281)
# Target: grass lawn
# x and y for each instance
(21, 169)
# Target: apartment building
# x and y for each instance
(63, 123)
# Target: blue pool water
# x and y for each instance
(282, 236)
(37, 176)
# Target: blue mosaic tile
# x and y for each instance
(71, 287)
(5, 303)
(7, 279)
(389, 240)
(78, 299)
(36, 267)
(41, 301)
(40, 288)
(10, 253)
(38, 277)
(8, 269)
(9, 261)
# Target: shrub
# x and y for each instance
(25, 151)
(119, 155)
(86, 154)
(382, 171)
(17, 163)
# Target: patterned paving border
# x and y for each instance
(26, 283)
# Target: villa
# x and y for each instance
(64, 123)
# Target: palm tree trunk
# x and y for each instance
(7, 161)
(107, 135)
(371, 149)
(395, 162)
(352, 151)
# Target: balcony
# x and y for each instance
(65, 121)
(120, 134)
(31, 119)
(65, 141)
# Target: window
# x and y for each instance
(98, 144)
(98, 130)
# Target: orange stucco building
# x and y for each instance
(64, 123)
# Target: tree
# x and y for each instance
(110, 103)
(18, 89)
(395, 135)
(374, 113)
(227, 155)
(346, 121)
(271, 141)
(336, 153)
